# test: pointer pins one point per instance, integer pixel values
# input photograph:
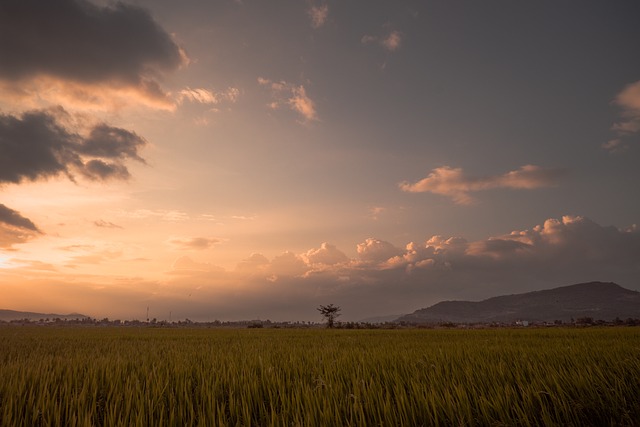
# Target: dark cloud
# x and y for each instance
(15, 228)
(110, 142)
(100, 170)
(79, 41)
(36, 146)
(13, 218)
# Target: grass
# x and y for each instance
(192, 377)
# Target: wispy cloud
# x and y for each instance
(453, 183)
(206, 96)
(193, 243)
(628, 100)
(292, 96)
(391, 41)
(318, 15)
(105, 224)
(162, 214)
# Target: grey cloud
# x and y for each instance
(15, 228)
(36, 146)
(105, 224)
(114, 143)
(100, 170)
(77, 40)
(13, 218)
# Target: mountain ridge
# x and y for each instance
(9, 315)
(598, 300)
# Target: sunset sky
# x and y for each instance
(253, 159)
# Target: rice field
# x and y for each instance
(268, 377)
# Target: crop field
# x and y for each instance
(268, 377)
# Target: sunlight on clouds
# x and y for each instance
(318, 15)
(390, 41)
(628, 100)
(453, 183)
(205, 96)
(291, 95)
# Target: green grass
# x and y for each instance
(129, 377)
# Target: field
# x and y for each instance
(269, 377)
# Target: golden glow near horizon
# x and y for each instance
(204, 164)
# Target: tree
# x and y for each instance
(329, 313)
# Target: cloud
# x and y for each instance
(194, 243)
(453, 183)
(105, 224)
(80, 47)
(15, 228)
(37, 146)
(326, 254)
(374, 250)
(256, 263)
(205, 96)
(382, 278)
(165, 215)
(292, 96)
(390, 41)
(628, 100)
(318, 15)
(186, 265)
(14, 219)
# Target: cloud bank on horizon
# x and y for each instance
(381, 279)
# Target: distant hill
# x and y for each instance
(380, 319)
(8, 315)
(598, 300)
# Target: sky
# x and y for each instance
(244, 159)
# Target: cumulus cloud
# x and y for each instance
(384, 278)
(256, 263)
(326, 254)
(318, 15)
(387, 279)
(194, 243)
(453, 183)
(291, 96)
(38, 146)
(76, 45)
(628, 100)
(377, 251)
(390, 41)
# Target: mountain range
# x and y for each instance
(8, 315)
(597, 300)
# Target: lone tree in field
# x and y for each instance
(329, 312)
